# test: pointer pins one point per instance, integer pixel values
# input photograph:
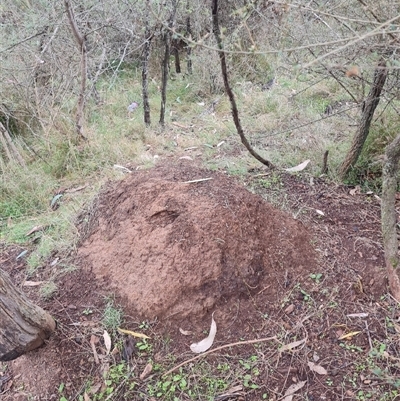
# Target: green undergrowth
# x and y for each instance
(285, 125)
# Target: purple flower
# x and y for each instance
(133, 106)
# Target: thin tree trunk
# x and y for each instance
(189, 35)
(165, 63)
(175, 52)
(145, 67)
(389, 215)
(369, 106)
(228, 89)
(23, 325)
(81, 41)
(9, 147)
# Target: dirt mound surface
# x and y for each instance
(179, 248)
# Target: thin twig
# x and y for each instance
(259, 340)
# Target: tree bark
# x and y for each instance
(188, 35)
(389, 216)
(145, 67)
(165, 63)
(235, 113)
(9, 147)
(23, 325)
(368, 109)
(81, 41)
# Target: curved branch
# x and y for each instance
(228, 89)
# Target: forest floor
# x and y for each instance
(299, 290)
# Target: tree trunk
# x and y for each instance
(9, 147)
(165, 64)
(145, 67)
(389, 215)
(224, 70)
(188, 35)
(368, 109)
(23, 325)
(81, 41)
(175, 52)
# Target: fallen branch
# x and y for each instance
(259, 340)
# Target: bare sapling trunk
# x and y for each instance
(9, 146)
(389, 215)
(165, 63)
(368, 109)
(145, 66)
(81, 41)
(23, 325)
(188, 35)
(235, 113)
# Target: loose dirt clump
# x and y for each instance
(176, 248)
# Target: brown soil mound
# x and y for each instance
(184, 249)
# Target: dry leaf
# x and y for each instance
(300, 167)
(232, 392)
(289, 309)
(320, 212)
(86, 397)
(292, 389)
(22, 254)
(94, 340)
(147, 370)
(292, 345)
(132, 333)
(355, 190)
(32, 283)
(349, 336)
(357, 315)
(124, 169)
(35, 229)
(107, 341)
(95, 388)
(185, 332)
(206, 343)
(185, 158)
(317, 368)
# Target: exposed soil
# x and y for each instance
(181, 250)
(173, 252)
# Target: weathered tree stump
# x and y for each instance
(23, 325)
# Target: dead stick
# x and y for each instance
(259, 340)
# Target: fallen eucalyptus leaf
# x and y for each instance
(207, 342)
(362, 314)
(292, 345)
(185, 332)
(22, 254)
(93, 341)
(289, 309)
(32, 283)
(292, 389)
(349, 336)
(300, 167)
(107, 341)
(55, 201)
(317, 368)
(132, 333)
(147, 370)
